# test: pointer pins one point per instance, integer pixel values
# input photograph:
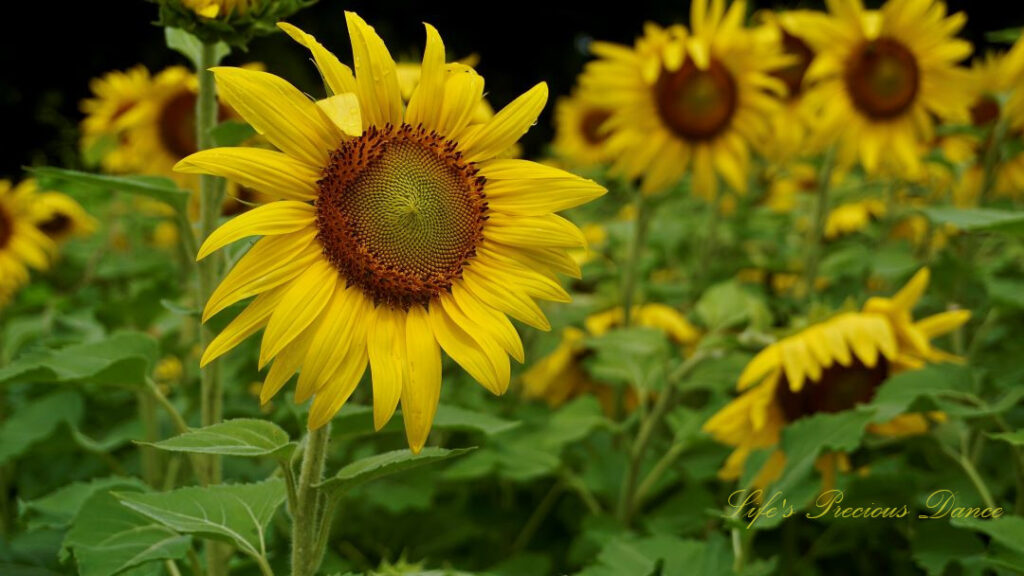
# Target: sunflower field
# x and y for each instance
(755, 307)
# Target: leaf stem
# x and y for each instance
(310, 505)
(636, 248)
(816, 241)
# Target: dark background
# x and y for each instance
(50, 50)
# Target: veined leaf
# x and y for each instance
(977, 219)
(59, 508)
(239, 437)
(804, 440)
(381, 465)
(155, 187)
(37, 421)
(121, 360)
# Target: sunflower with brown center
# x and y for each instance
(880, 78)
(58, 215)
(22, 245)
(687, 101)
(579, 130)
(830, 367)
(396, 232)
(110, 112)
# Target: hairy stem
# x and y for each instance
(310, 505)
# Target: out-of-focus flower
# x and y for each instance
(22, 245)
(880, 77)
(852, 217)
(58, 215)
(687, 100)
(420, 238)
(579, 130)
(830, 367)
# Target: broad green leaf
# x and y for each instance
(239, 437)
(235, 513)
(231, 133)
(977, 219)
(120, 435)
(59, 508)
(729, 305)
(1006, 291)
(1007, 530)
(899, 392)
(664, 554)
(629, 356)
(356, 420)
(1014, 438)
(191, 47)
(936, 544)
(572, 422)
(123, 359)
(804, 440)
(155, 187)
(106, 538)
(381, 465)
(37, 421)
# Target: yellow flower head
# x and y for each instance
(687, 100)
(852, 217)
(882, 75)
(22, 244)
(830, 367)
(395, 231)
(113, 108)
(58, 215)
(579, 130)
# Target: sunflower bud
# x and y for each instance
(234, 22)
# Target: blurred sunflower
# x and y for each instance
(561, 376)
(880, 76)
(830, 367)
(397, 232)
(57, 215)
(218, 8)
(852, 217)
(579, 134)
(112, 109)
(22, 244)
(682, 100)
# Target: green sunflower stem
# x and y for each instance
(710, 246)
(636, 250)
(210, 192)
(309, 518)
(990, 161)
(816, 242)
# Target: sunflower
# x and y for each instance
(880, 76)
(58, 215)
(112, 109)
(830, 367)
(396, 233)
(218, 8)
(22, 244)
(852, 217)
(687, 99)
(579, 134)
(561, 376)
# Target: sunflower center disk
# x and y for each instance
(399, 214)
(840, 388)
(882, 78)
(177, 124)
(590, 125)
(696, 104)
(6, 228)
(56, 226)
(793, 74)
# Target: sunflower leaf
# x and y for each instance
(36, 421)
(59, 508)
(235, 513)
(239, 437)
(123, 359)
(369, 469)
(191, 47)
(804, 440)
(106, 538)
(154, 187)
(977, 219)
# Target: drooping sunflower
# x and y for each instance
(560, 376)
(579, 130)
(22, 245)
(880, 76)
(830, 367)
(396, 233)
(853, 217)
(687, 100)
(58, 215)
(109, 113)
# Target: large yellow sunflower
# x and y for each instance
(561, 376)
(22, 244)
(579, 130)
(687, 100)
(830, 367)
(880, 76)
(396, 232)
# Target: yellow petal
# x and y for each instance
(385, 344)
(496, 323)
(489, 140)
(340, 386)
(271, 219)
(343, 327)
(250, 320)
(943, 323)
(426, 102)
(765, 361)
(376, 77)
(535, 197)
(422, 390)
(462, 95)
(480, 355)
(547, 231)
(284, 366)
(281, 113)
(908, 296)
(344, 111)
(299, 307)
(509, 300)
(266, 171)
(337, 76)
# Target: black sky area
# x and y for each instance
(50, 50)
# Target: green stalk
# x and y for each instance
(709, 246)
(310, 505)
(636, 249)
(151, 433)
(817, 239)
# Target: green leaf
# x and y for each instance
(239, 437)
(1007, 530)
(634, 355)
(977, 219)
(356, 420)
(665, 554)
(123, 359)
(37, 421)
(231, 133)
(191, 47)
(1005, 36)
(381, 465)
(155, 187)
(107, 538)
(120, 435)
(59, 508)
(1014, 438)
(937, 544)
(729, 305)
(803, 440)
(235, 513)
(899, 392)
(1006, 291)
